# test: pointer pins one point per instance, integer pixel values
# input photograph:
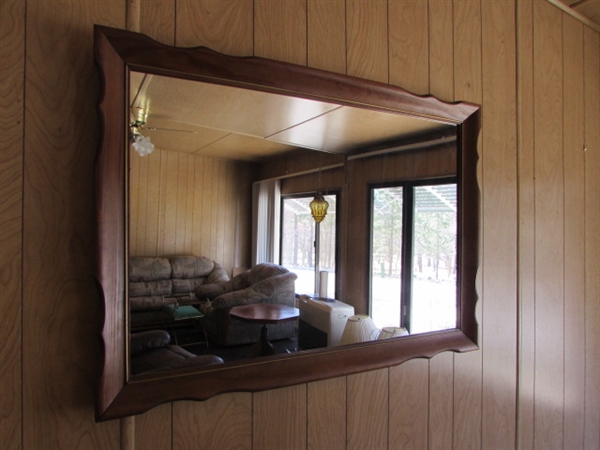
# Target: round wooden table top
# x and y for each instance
(265, 313)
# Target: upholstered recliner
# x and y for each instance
(150, 352)
(156, 284)
(264, 283)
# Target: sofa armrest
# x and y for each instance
(147, 340)
(276, 289)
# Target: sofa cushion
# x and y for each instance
(150, 288)
(191, 272)
(150, 303)
(149, 269)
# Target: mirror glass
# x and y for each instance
(201, 156)
(192, 194)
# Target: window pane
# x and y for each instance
(434, 259)
(298, 243)
(386, 247)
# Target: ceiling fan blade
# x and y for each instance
(169, 129)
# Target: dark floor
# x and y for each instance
(188, 339)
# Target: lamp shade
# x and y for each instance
(318, 208)
(390, 332)
(359, 328)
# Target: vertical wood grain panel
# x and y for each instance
(12, 69)
(152, 216)
(526, 161)
(170, 200)
(279, 418)
(591, 59)
(366, 39)
(367, 399)
(210, 23)
(441, 49)
(467, 87)
(574, 218)
(153, 429)
(189, 207)
(499, 220)
(326, 419)
(207, 201)
(280, 30)
(223, 423)
(441, 401)
(327, 23)
(441, 83)
(408, 42)
(409, 405)
(157, 20)
(60, 345)
(549, 237)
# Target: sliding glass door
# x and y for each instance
(413, 255)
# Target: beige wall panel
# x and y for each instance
(153, 429)
(279, 418)
(441, 400)
(525, 405)
(326, 419)
(156, 19)
(12, 69)
(189, 205)
(409, 45)
(591, 59)
(499, 224)
(441, 84)
(60, 343)
(209, 23)
(280, 30)
(366, 39)
(574, 212)
(549, 222)
(409, 405)
(467, 87)
(223, 422)
(368, 397)
(327, 24)
(441, 50)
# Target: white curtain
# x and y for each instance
(266, 205)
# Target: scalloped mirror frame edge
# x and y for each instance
(119, 51)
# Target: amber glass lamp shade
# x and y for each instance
(318, 208)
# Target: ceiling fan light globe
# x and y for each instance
(142, 145)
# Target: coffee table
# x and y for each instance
(265, 314)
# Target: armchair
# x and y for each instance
(264, 283)
(151, 352)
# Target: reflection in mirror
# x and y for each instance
(202, 155)
(190, 195)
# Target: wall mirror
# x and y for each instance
(213, 117)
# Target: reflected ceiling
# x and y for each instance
(213, 120)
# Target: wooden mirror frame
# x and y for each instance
(118, 52)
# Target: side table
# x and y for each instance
(264, 313)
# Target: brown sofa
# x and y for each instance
(156, 286)
(264, 283)
(150, 352)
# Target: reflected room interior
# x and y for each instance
(221, 181)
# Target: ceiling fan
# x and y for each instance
(141, 143)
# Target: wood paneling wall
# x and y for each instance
(533, 383)
(184, 204)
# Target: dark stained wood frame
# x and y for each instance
(118, 52)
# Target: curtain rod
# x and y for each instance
(403, 148)
(304, 172)
(400, 148)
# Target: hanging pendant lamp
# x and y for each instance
(318, 208)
